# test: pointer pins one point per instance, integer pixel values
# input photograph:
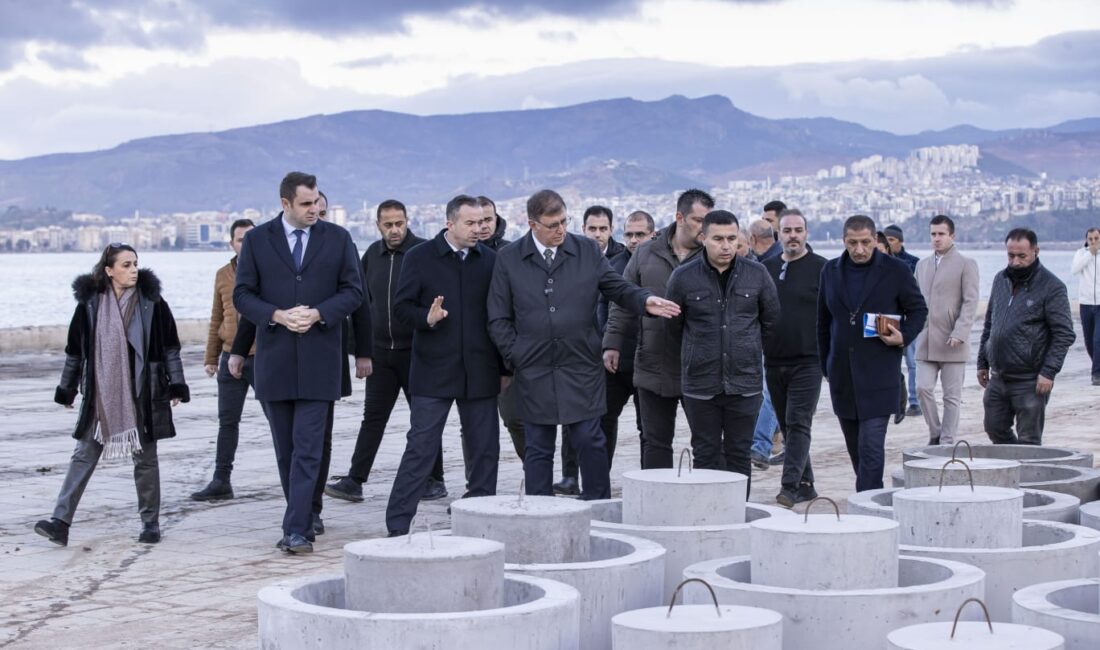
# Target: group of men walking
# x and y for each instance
(560, 330)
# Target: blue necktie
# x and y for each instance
(297, 252)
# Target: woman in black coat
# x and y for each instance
(123, 356)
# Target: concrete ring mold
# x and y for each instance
(1039, 505)
(1069, 607)
(1020, 453)
(1050, 551)
(686, 545)
(931, 472)
(538, 614)
(1081, 482)
(842, 620)
(1090, 515)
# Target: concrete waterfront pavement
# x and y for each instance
(197, 588)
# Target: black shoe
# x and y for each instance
(150, 534)
(318, 525)
(933, 441)
(786, 497)
(568, 486)
(759, 460)
(345, 488)
(806, 492)
(899, 416)
(296, 544)
(776, 460)
(397, 533)
(216, 490)
(54, 530)
(913, 410)
(434, 491)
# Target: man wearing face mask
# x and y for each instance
(1028, 330)
(862, 367)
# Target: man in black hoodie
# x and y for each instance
(1028, 330)
(492, 227)
(392, 344)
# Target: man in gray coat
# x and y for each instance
(949, 283)
(657, 360)
(542, 306)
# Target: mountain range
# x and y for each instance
(602, 148)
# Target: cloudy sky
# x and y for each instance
(78, 75)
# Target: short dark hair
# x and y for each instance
(544, 202)
(457, 203)
(289, 187)
(880, 237)
(485, 202)
(943, 219)
(323, 196)
(688, 199)
(1016, 234)
(106, 259)
(597, 211)
(859, 222)
(793, 212)
(390, 204)
(775, 206)
(642, 215)
(240, 223)
(719, 218)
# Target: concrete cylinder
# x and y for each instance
(534, 529)
(1090, 515)
(986, 471)
(825, 552)
(698, 627)
(960, 517)
(1022, 453)
(669, 497)
(1069, 607)
(388, 575)
(973, 635)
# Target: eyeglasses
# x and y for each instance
(783, 271)
(561, 225)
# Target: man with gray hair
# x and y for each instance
(762, 238)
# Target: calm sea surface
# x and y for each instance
(37, 289)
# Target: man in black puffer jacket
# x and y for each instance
(1028, 330)
(728, 306)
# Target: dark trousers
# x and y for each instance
(620, 387)
(866, 442)
(389, 378)
(318, 503)
(1090, 331)
(480, 443)
(1014, 401)
(795, 390)
(586, 438)
(82, 465)
(721, 431)
(658, 428)
(231, 395)
(508, 403)
(298, 430)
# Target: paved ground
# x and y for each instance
(197, 587)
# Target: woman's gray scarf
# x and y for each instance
(116, 413)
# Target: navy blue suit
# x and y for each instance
(454, 360)
(864, 382)
(298, 376)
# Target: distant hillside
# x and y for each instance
(371, 155)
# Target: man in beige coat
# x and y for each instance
(949, 282)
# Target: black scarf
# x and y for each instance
(1021, 275)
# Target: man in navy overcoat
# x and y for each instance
(863, 371)
(298, 278)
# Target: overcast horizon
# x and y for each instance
(75, 78)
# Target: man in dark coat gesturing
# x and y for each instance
(298, 279)
(542, 306)
(862, 369)
(442, 296)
